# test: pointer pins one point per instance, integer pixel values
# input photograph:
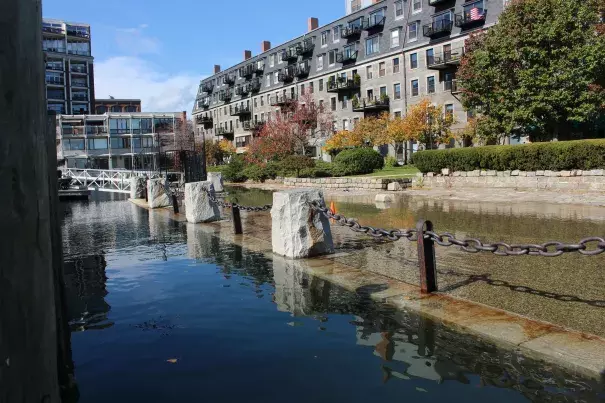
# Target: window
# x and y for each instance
(336, 34)
(413, 31)
(397, 91)
(449, 111)
(397, 115)
(345, 124)
(321, 84)
(324, 38)
(399, 9)
(333, 103)
(369, 72)
(355, 122)
(311, 89)
(280, 57)
(255, 102)
(415, 88)
(119, 143)
(331, 57)
(268, 80)
(430, 57)
(97, 144)
(383, 91)
(131, 108)
(470, 114)
(73, 144)
(414, 61)
(321, 104)
(430, 85)
(382, 69)
(345, 102)
(416, 6)
(448, 78)
(276, 77)
(262, 100)
(320, 62)
(395, 65)
(395, 38)
(372, 46)
(272, 60)
(302, 89)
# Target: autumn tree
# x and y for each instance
(368, 132)
(540, 71)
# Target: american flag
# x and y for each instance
(476, 14)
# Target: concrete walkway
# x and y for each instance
(362, 263)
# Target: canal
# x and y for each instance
(161, 312)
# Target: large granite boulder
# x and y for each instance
(297, 231)
(198, 207)
(217, 180)
(137, 187)
(156, 193)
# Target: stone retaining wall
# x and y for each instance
(593, 180)
(347, 183)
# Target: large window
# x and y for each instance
(414, 61)
(396, 65)
(142, 126)
(369, 71)
(53, 77)
(119, 126)
(79, 109)
(372, 45)
(131, 108)
(415, 90)
(58, 108)
(163, 125)
(120, 143)
(55, 93)
(53, 45)
(397, 91)
(78, 48)
(320, 62)
(382, 69)
(324, 38)
(430, 57)
(413, 31)
(331, 57)
(336, 34)
(399, 9)
(73, 144)
(430, 85)
(79, 82)
(395, 38)
(54, 65)
(97, 144)
(416, 6)
(449, 111)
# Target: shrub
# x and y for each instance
(293, 164)
(233, 172)
(390, 162)
(272, 169)
(555, 156)
(255, 172)
(358, 161)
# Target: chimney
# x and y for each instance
(265, 46)
(217, 69)
(312, 24)
(247, 54)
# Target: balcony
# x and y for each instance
(225, 96)
(79, 69)
(203, 103)
(52, 30)
(286, 75)
(437, 2)
(53, 49)
(242, 90)
(79, 97)
(371, 104)
(55, 81)
(289, 54)
(305, 47)
(346, 57)
(437, 28)
(96, 130)
(54, 66)
(255, 85)
(303, 69)
(452, 86)
(247, 71)
(207, 121)
(445, 60)
(240, 110)
(373, 22)
(79, 83)
(225, 132)
(259, 68)
(281, 100)
(472, 16)
(351, 31)
(73, 130)
(78, 34)
(253, 126)
(229, 79)
(207, 87)
(343, 85)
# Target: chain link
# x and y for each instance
(226, 204)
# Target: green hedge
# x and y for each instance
(357, 161)
(555, 156)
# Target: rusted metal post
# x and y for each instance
(175, 204)
(237, 220)
(426, 258)
(146, 195)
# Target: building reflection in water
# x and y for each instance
(85, 289)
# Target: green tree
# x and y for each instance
(540, 71)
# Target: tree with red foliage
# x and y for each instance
(289, 131)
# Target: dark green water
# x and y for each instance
(161, 312)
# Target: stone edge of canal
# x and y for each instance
(575, 351)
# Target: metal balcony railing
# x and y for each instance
(52, 30)
(229, 79)
(351, 31)
(78, 34)
(342, 85)
(346, 57)
(247, 71)
(240, 110)
(259, 68)
(370, 104)
(289, 54)
(453, 86)
(225, 96)
(255, 85)
(445, 60)
(281, 100)
(224, 131)
(303, 69)
(242, 90)
(437, 28)
(205, 120)
(96, 130)
(55, 80)
(471, 17)
(207, 87)
(374, 21)
(286, 75)
(305, 47)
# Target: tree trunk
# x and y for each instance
(28, 334)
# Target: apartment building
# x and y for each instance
(352, 6)
(68, 67)
(384, 57)
(117, 105)
(116, 140)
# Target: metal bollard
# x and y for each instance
(237, 220)
(426, 259)
(175, 204)
(146, 194)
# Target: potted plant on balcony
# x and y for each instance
(384, 98)
(357, 80)
(330, 81)
(355, 101)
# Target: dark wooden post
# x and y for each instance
(237, 220)
(426, 259)
(28, 334)
(175, 204)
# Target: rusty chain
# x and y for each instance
(226, 204)
(588, 246)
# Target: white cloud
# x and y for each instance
(134, 41)
(134, 77)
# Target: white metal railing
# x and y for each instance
(107, 180)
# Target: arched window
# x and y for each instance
(116, 108)
(131, 108)
(101, 110)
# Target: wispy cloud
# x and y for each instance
(134, 77)
(135, 41)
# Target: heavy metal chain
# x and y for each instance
(393, 235)
(588, 246)
(225, 204)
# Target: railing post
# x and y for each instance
(237, 220)
(175, 204)
(426, 259)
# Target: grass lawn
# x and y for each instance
(396, 172)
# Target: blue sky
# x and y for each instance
(159, 50)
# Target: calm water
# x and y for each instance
(161, 312)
